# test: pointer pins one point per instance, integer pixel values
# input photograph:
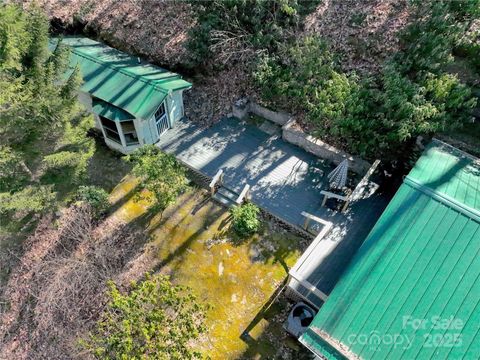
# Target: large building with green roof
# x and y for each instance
(134, 102)
(412, 291)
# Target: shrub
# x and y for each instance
(76, 149)
(395, 109)
(438, 27)
(305, 77)
(160, 173)
(373, 117)
(155, 320)
(232, 30)
(61, 159)
(245, 220)
(30, 198)
(13, 171)
(471, 51)
(94, 196)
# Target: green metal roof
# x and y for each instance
(450, 172)
(119, 79)
(109, 111)
(420, 261)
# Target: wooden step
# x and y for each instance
(230, 194)
(224, 200)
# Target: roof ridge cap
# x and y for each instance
(464, 153)
(445, 199)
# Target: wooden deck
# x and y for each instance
(284, 180)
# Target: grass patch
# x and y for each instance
(192, 242)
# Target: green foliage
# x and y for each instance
(306, 77)
(235, 26)
(40, 122)
(377, 116)
(155, 320)
(245, 220)
(94, 196)
(428, 42)
(385, 115)
(37, 53)
(68, 90)
(60, 159)
(469, 46)
(32, 100)
(439, 26)
(75, 151)
(160, 173)
(13, 172)
(31, 198)
(14, 38)
(474, 56)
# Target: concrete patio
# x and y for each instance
(285, 180)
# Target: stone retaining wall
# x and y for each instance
(197, 177)
(294, 135)
(294, 229)
(241, 108)
(278, 117)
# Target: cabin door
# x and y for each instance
(161, 120)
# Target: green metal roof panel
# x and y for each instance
(420, 261)
(178, 84)
(110, 111)
(118, 78)
(451, 172)
(312, 341)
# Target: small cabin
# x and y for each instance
(133, 102)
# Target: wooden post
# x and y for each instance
(243, 194)
(218, 178)
(306, 222)
(325, 198)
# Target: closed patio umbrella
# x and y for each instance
(338, 177)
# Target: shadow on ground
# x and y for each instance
(191, 242)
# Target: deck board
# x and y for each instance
(284, 179)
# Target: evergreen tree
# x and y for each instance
(40, 121)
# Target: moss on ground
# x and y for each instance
(192, 243)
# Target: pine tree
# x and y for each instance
(14, 38)
(40, 122)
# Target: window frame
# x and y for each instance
(106, 129)
(134, 131)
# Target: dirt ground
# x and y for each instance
(191, 242)
(105, 169)
(364, 33)
(155, 29)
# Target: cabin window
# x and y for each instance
(161, 120)
(110, 129)
(128, 129)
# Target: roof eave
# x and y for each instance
(183, 88)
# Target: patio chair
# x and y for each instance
(344, 194)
